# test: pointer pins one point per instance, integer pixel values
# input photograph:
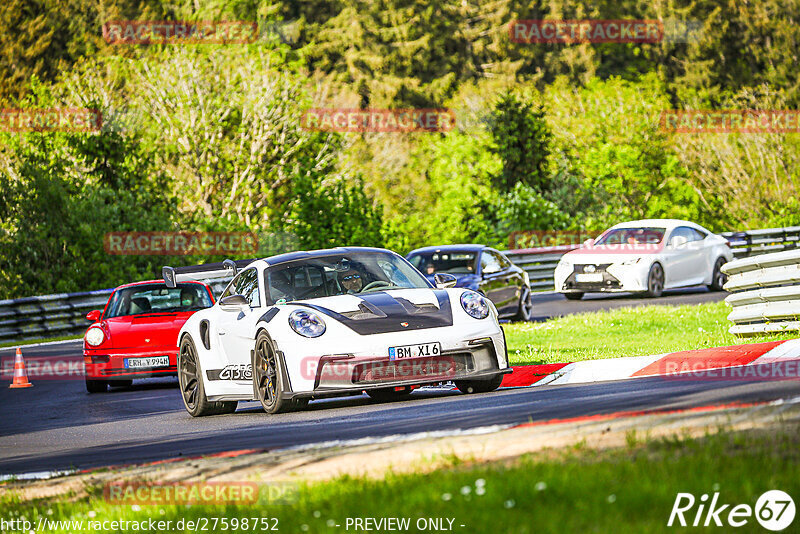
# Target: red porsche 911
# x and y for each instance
(136, 335)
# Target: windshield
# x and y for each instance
(632, 236)
(340, 274)
(157, 298)
(444, 262)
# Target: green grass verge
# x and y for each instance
(624, 332)
(631, 489)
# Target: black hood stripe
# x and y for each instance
(396, 310)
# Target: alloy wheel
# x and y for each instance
(187, 375)
(266, 372)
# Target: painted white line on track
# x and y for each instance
(42, 344)
(37, 475)
(394, 438)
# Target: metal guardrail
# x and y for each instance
(539, 263)
(64, 314)
(60, 315)
(753, 242)
(765, 293)
(50, 315)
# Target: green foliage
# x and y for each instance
(325, 215)
(524, 208)
(522, 141)
(59, 195)
(548, 136)
(624, 161)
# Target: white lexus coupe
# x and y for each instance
(645, 256)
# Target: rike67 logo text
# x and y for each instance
(774, 510)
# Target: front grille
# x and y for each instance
(599, 267)
(609, 281)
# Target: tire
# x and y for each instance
(121, 383)
(718, 278)
(479, 386)
(96, 386)
(655, 281)
(389, 394)
(268, 379)
(525, 308)
(573, 296)
(191, 384)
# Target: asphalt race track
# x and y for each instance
(56, 425)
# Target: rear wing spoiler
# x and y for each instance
(173, 275)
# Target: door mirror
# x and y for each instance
(444, 280)
(588, 243)
(94, 315)
(234, 303)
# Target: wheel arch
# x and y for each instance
(278, 354)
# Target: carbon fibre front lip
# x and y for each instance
(329, 393)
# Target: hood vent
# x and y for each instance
(380, 313)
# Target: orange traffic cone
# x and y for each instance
(20, 374)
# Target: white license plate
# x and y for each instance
(422, 350)
(589, 277)
(140, 363)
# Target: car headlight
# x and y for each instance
(306, 323)
(95, 336)
(475, 305)
(631, 261)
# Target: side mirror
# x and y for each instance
(588, 243)
(444, 280)
(234, 303)
(94, 315)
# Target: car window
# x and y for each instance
(502, 260)
(339, 274)
(157, 298)
(695, 235)
(489, 263)
(689, 234)
(453, 262)
(632, 236)
(246, 284)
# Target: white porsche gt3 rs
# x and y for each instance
(645, 256)
(327, 323)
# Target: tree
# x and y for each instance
(522, 141)
(59, 194)
(329, 213)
